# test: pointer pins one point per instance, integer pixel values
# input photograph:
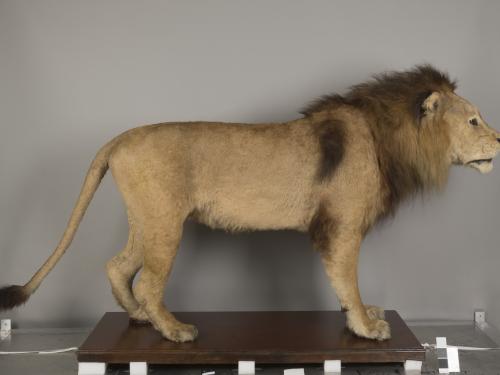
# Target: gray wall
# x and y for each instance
(74, 74)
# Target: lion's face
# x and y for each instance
(472, 142)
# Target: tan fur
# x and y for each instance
(333, 173)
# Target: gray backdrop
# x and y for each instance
(74, 74)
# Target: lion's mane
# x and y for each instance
(411, 157)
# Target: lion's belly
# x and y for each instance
(247, 210)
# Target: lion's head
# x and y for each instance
(471, 141)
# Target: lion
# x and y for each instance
(333, 173)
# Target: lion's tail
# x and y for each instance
(15, 295)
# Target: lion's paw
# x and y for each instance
(182, 333)
(379, 329)
(375, 312)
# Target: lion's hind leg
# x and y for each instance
(161, 238)
(121, 270)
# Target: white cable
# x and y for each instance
(471, 348)
(465, 348)
(55, 351)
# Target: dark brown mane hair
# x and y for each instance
(411, 156)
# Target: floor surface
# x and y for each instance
(463, 334)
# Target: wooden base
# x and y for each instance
(264, 337)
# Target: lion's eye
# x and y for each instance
(473, 122)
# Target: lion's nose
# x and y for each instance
(498, 139)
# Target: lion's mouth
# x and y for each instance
(480, 161)
(482, 165)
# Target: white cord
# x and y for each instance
(465, 348)
(471, 348)
(55, 351)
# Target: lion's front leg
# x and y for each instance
(340, 258)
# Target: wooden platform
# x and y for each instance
(263, 337)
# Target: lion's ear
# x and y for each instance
(427, 103)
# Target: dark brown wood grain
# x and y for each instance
(269, 337)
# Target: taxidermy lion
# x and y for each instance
(346, 164)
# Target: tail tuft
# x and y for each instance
(12, 296)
